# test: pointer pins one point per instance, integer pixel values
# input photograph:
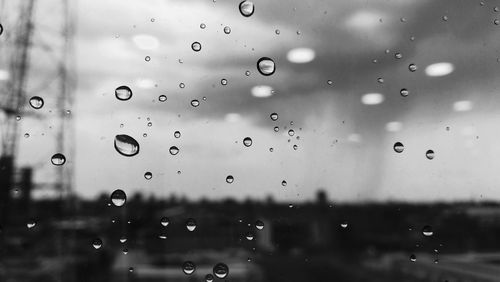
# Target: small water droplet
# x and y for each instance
(97, 243)
(162, 98)
(291, 132)
(246, 8)
(274, 116)
(182, 85)
(413, 258)
(118, 197)
(123, 93)
(445, 18)
(147, 58)
(18, 118)
(277, 31)
(195, 103)
(247, 73)
(229, 179)
(412, 67)
(126, 145)
(247, 141)
(177, 134)
(223, 81)
(227, 30)
(148, 175)
(130, 269)
(276, 129)
(404, 92)
(295, 147)
(380, 80)
(191, 224)
(164, 221)
(173, 150)
(188, 267)
(1, 29)
(249, 236)
(259, 224)
(427, 231)
(123, 239)
(343, 224)
(196, 46)
(266, 66)
(429, 154)
(202, 26)
(125, 251)
(329, 82)
(209, 278)
(398, 55)
(283, 183)
(398, 147)
(221, 270)
(36, 102)
(58, 159)
(496, 21)
(31, 224)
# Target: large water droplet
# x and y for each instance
(247, 8)
(429, 154)
(36, 102)
(196, 46)
(118, 197)
(274, 116)
(266, 66)
(398, 147)
(164, 221)
(126, 145)
(229, 179)
(123, 93)
(191, 224)
(221, 270)
(259, 224)
(188, 267)
(427, 231)
(97, 243)
(247, 141)
(58, 159)
(173, 150)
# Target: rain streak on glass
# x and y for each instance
(188, 267)
(429, 154)
(259, 225)
(97, 243)
(221, 270)
(247, 141)
(118, 198)
(58, 159)
(36, 102)
(162, 98)
(427, 231)
(126, 145)
(164, 221)
(266, 66)
(173, 150)
(229, 179)
(398, 147)
(123, 93)
(191, 224)
(196, 46)
(274, 116)
(247, 8)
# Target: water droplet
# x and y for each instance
(276, 129)
(196, 46)
(247, 8)
(249, 236)
(118, 197)
(58, 159)
(31, 224)
(247, 73)
(295, 147)
(18, 118)
(380, 80)
(191, 224)
(427, 231)
(398, 147)
(445, 18)
(403, 19)
(202, 26)
(223, 81)
(1, 29)
(36, 102)
(227, 30)
(162, 98)
(291, 132)
(221, 270)
(274, 116)
(164, 221)
(247, 141)
(182, 85)
(343, 224)
(125, 251)
(173, 150)
(398, 56)
(413, 258)
(147, 58)
(126, 145)
(496, 21)
(177, 134)
(150, 124)
(412, 67)
(130, 269)
(195, 103)
(259, 224)
(266, 66)
(123, 93)
(271, 149)
(404, 92)
(209, 278)
(123, 239)
(188, 267)
(429, 154)
(97, 243)
(229, 179)
(148, 175)
(283, 183)
(277, 31)
(329, 82)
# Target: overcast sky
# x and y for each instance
(346, 137)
